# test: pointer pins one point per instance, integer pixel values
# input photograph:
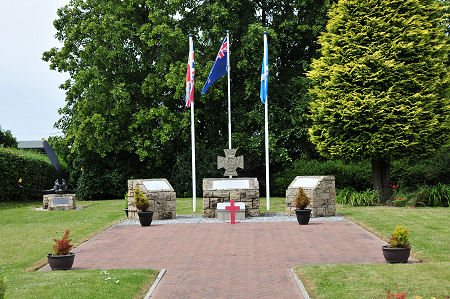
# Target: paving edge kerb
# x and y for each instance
(155, 283)
(300, 285)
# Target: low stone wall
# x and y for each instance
(59, 201)
(212, 196)
(322, 195)
(162, 202)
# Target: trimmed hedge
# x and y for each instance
(34, 168)
(358, 175)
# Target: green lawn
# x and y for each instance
(430, 241)
(27, 236)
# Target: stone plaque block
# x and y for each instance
(321, 191)
(59, 201)
(222, 190)
(160, 194)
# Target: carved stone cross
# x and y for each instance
(230, 162)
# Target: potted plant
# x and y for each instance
(398, 249)
(301, 202)
(142, 204)
(126, 204)
(61, 258)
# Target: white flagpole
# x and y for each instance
(266, 129)
(229, 90)
(194, 193)
(266, 118)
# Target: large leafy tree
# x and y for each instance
(380, 83)
(127, 65)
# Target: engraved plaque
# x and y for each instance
(156, 185)
(57, 201)
(305, 182)
(231, 184)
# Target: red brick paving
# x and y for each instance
(220, 260)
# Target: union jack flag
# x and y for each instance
(223, 49)
(190, 74)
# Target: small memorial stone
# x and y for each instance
(321, 191)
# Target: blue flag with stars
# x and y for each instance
(220, 66)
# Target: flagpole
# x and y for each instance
(194, 192)
(266, 118)
(229, 91)
(266, 125)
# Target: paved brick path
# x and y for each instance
(220, 260)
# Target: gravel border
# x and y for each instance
(265, 217)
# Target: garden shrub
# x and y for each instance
(63, 246)
(436, 196)
(430, 171)
(357, 199)
(34, 168)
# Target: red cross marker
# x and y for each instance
(232, 209)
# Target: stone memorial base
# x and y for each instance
(224, 214)
(217, 190)
(159, 192)
(320, 189)
(59, 201)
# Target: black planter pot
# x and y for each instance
(396, 255)
(303, 216)
(145, 218)
(126, 212)
(61, 262)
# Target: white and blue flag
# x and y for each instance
(265, 72)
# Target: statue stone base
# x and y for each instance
(59, 201)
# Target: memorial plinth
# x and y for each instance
(320, 189)
(59, 201)
(218, 190)
(159, 192)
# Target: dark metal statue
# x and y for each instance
(60, 186)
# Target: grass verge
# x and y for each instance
(429, 236)
(27, 236)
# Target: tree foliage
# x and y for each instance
(7, 139)
(127, 66)
(380, 84)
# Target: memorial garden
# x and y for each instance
(347, 121)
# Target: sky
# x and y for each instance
(29, 93)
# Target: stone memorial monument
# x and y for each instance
(59, 201)
(219, 190)
(320, 189)
(159, 192)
